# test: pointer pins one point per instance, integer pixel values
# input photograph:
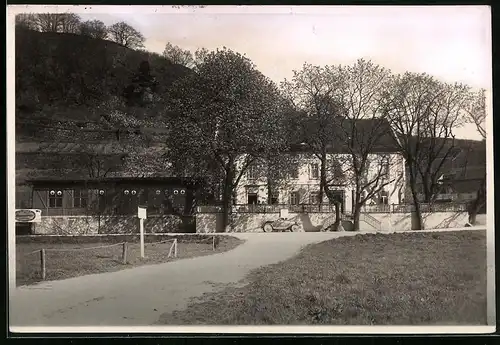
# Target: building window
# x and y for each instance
(384, 198)
(80, 198)
(385, 166)
(294, 198)
(274, 198)
(55, 198)
(295, 171)
(314, 198)
(252, 172)
(314, 171)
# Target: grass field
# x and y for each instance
(396, 279)
(63, 261)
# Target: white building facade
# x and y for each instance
(303, 184)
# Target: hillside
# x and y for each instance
(65, 76)
(62, 81)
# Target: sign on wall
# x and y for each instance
(28, 216)
(141, 212)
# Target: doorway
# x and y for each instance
(252, 198)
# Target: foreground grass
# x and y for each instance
(396, 279)
(73, 263)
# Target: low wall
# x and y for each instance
(87, 225)
(253, 222)
(313, 222)
(432, 220)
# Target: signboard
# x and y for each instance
(28, 216)
(141, 212)
(284, 213)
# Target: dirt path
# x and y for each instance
(138, 296)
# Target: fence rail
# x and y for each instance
(405, 208)
(41, 270)
(275, 208)
(315, 208)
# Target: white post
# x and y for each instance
(141, 214)
(390, 217)
(141, 229)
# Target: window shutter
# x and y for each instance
(40, 199)
(68, 198)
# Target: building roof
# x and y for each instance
(375, 134)
(107, 148)
(109, 180)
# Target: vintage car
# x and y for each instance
(280, 225)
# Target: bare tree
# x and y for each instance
(49, 22)
(94, 29)
(58, 22)
(26, 21)
(424, 113)
(476, 114)
(126, 35)
(476, 111)
(366, 133)
(178, 55)
(70, 23)
(314, 91)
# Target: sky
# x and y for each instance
(452, 43)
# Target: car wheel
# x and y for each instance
(295, 228)
(268, 227)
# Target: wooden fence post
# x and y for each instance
(42, 263)
(124, 253)
(175, 248)
(213, 243)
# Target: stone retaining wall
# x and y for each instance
(86, 225)
(312, 222)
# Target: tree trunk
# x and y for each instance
(227, 196)
(418, 213)
(322, 177)
(337, 215)
(356, 215)
(357, 206)
(269, 191)
(478, 203)
(472, 218)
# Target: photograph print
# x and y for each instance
(250, 169)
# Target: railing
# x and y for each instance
(370, 220)
(425, 207)
(316, 208)
(274, 208)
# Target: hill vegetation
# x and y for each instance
(70, 75)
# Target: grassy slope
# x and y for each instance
(398, 279)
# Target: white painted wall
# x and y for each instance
(306, 184)
(312, 222)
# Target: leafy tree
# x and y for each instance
(126, 35)
(94, 29)
(178, 55)
(228, 115)
(142, 87)
(424, 113)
